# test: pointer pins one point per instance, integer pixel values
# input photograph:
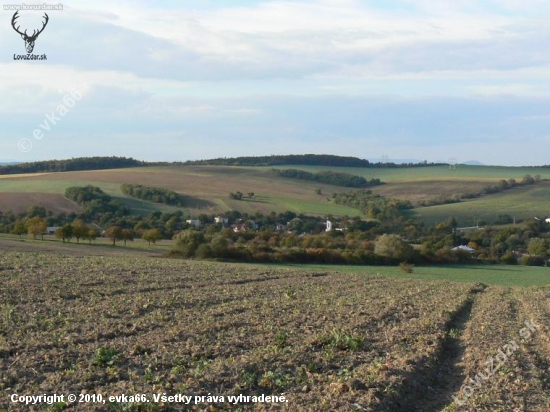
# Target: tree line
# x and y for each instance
(153, 194)
(371, 205)
(329, 177)
(114, 162)
(276, 160)
(74, 164)
(303, 159)
(502, 185)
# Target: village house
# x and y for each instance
(194, 222)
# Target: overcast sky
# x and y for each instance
(179, 80)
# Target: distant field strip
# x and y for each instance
(407, 174)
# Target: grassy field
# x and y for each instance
(413, 174)
(85, 247)
(522, 202)
(504, 275)
(330, 341)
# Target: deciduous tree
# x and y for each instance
(114, 233)
(152, 235)
(36, 226)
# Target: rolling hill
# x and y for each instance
(206, 189)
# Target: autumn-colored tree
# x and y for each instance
(537, 247)
(80, 229)
(36, 226)
(92, 234)
(128, 234)
(392, 246)
(188, 241)
(19, 228)
(65, 233)
(114, 233)
(152, 235)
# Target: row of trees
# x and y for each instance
(117, 233)
(80, 230)
(239, 195)
(487, 190)
(153, 194)
(371, 205)
(329, 177)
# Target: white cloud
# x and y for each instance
(284, 76)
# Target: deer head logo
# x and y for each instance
(29, 40)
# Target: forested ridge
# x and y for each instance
(114, 162)
(70, 165)
(304, 160)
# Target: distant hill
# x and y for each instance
(207, 189)
(473, 163)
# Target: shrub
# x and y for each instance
(393, 247)
(509, 259)
(188, 241)
(204, 251)
(406, 267)
(531, 261)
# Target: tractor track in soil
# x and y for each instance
(430, 386)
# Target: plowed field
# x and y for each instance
(327, 341)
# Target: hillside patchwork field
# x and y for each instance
(206, 189)
(421, 183)
(328, 341)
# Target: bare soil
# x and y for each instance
(19, 202)
(328, 341)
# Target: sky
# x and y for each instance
(184, 80)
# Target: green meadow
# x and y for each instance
(504, 275)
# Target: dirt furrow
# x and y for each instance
(432, 382)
